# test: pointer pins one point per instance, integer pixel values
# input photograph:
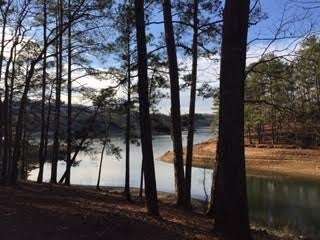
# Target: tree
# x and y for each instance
(201, 20)
(282, 97)
(17, 39)
(5, 12)
(192, 106)
(306, 94)
(175, 103)
(270, 83)
(145, 122)
(123, 46)
(69, 90)
(109, 105)
(59, 68)
(230, 194)
(35, 57)
(128, 104)
(43, 103)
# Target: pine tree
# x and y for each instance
(230, 193)
(145, 122)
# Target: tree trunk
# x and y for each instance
(86, 131)
(22, 107)
(3, 35)
(3, 109)
(107, 134)
(230, 194)
(3, 161)
(10, 105)
(249, 135)
(141, 182)
(100, 165)
(192, 103)
(128, 106)
(145, 121)
(7, 144)
(259, 133)
(175, 103)
(24, 165)
(210, 211)
(43, 102)
(69, 137)
(55, 154)
(8, 89)
(46, 133)
(19, 125)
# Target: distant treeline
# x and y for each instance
(283, 98)
(81, 115)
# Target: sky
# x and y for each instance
(285, 17)
(296, 22)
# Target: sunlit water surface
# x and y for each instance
(278, 202)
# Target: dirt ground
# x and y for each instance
(264, 159)
(33, 211)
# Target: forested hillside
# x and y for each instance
(81, 115)
(283, 97)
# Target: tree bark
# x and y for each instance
(141, 182)
(56, 142)
(46, 136)
(145, 121)
(43, 101)
(105, 141)
(230, 193)
(24, 165)
(100, 165)
(3, 147)
(210, 211)
(69, 125)
(19, 125)
(10, 105)
(7, 121)
(128, 125)
(175, 103)
(3, 34)
(2, 169)
(192, 103)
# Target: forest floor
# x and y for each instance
(42, 211)
(263, 159)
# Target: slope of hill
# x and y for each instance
(82, 113)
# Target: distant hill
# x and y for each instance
(81, 114)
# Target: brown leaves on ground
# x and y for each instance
(42, 211)
(33, 211)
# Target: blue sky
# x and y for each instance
(296, 21)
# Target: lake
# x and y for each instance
(278, 202)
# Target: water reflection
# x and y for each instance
(274, 202)
(285, 203)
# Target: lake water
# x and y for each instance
(278, 202)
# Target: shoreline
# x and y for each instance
(288, 161)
